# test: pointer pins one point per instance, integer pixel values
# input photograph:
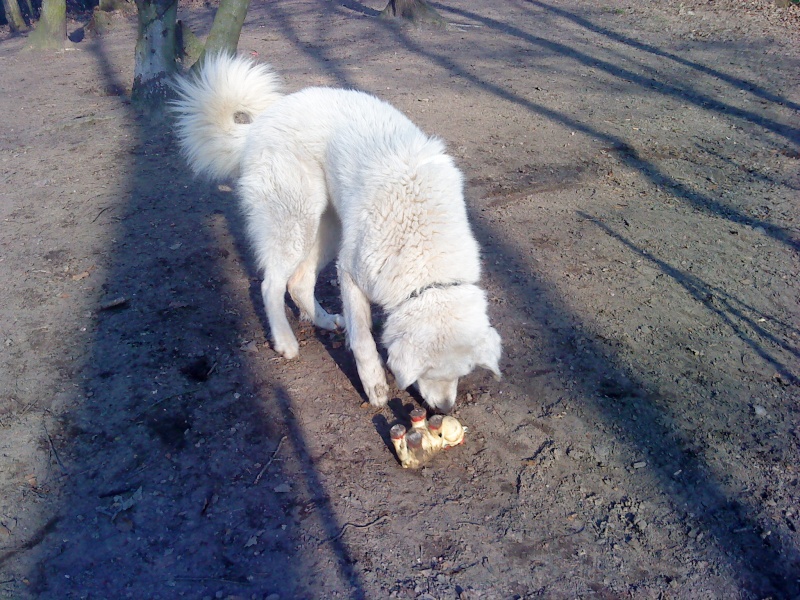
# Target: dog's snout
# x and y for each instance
(446, 406)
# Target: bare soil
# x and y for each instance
(633, 177)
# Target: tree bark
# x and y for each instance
(14, 16)
(225, 31)
(155, 54)
(189, 45)
(28, 10)
(51, 30)
(418, 12)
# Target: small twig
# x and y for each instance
(157, 402)
(380, 519)
(220, 579)
(53, 447)
(562, 535)
(211, 370)
(102, 210)
(266, 466)
(114, 303)
(460, 568)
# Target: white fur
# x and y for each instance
(324, 173)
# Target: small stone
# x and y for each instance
(283, 488)
(640, 464)
(760, 411)
(251, 346)
(574, 454)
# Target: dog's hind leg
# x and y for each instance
(358, 318)
(277, 255)
(282, 208)
(278, 252)
(301, 283)
(273, 289)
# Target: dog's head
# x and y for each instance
(438, 337)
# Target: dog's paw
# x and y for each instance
(378, 395)
(287, 348)
(330, 322)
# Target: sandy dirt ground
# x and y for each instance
(633, 176)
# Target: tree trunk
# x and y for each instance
(14, 16)
(225, 31)
(155, 54)
(190, 48)
(51, 30)
(418, 12)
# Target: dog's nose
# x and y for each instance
(446, 406)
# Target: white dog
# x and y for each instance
(326, 173)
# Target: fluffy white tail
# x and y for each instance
(207, 106)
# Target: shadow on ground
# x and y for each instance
(188, 472)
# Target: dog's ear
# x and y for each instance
(489, 352)
(405, 362)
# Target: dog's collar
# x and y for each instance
(438, 286)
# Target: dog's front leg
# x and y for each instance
(358, 321)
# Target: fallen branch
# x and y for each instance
(266, 466)
(219, 579)
(102, 210)
(380, 519)
(114, 303)
(53, 447)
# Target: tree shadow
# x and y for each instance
(738, 82)
(179, 482)
(358, 7)
(611, 391)
(319, 50)
(737, 315)
(629, 155)
(639, 414)
(684, 93)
